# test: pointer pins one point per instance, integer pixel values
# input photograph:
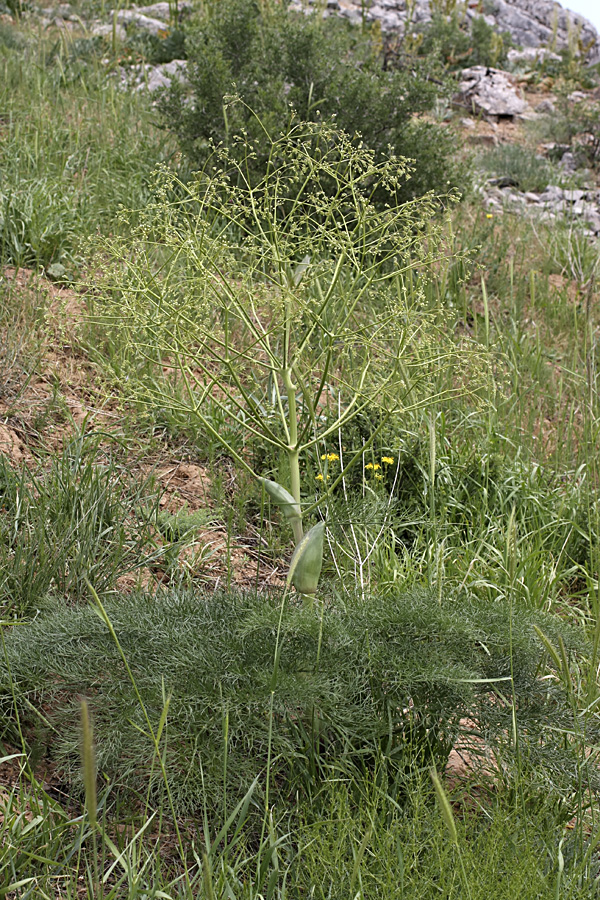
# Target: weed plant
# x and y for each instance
(441, 511)
(256, 297)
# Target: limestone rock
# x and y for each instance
(103, 29)
(580, 208)
(131, 17)
(163, 10)
(533, 23)
(161, 76)
(490, 92)
(532, 56)
(546, 107)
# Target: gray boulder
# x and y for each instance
(534, 23)
(490, 92)
(132, 18)
(105, 29)
(161, 76)
(532, 56)
(163, 10)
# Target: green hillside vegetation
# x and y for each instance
(299, 491)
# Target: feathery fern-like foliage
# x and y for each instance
(393, 679)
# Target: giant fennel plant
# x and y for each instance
(280, 300)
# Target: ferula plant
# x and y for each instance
(291, 304)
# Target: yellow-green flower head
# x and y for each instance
(379, 477)
(319, 477)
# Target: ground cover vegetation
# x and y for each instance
(225, 324)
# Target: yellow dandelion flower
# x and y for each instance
(388, 460)
(376, 466)
(323, 456)
(319, 477)
(331, 457)
(369, 466)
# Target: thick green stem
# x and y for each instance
(293, 454)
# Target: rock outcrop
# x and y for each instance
(533, 23)
(490, 92)
(530, 23)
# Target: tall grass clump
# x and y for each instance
(84, 520)
(448, 487)
(519, 166)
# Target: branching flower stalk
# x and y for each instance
(266, 301)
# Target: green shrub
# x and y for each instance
(577, 124)
(457, 44)
(158, 49)
(387, 679)
(278, 61)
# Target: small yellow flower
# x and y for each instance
(379, 477)
(319, 477)
(388, 460)
(330, 457)
(373, 466)
(369, 466)
(489, 216)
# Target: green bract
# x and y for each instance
(284, 500)
(305, 567)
